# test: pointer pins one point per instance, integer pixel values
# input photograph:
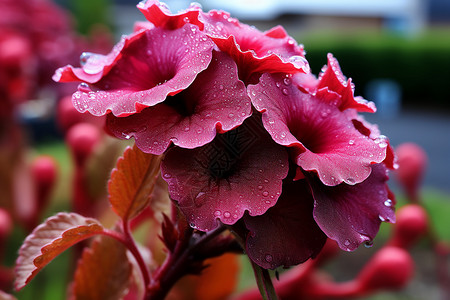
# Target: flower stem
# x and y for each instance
(180, 262)
(127, 240)
(264, 282)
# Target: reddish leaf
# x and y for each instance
(103, 272)
(132, 182)
(50, 239)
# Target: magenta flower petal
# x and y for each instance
(287, 233)
(94, 66)
(333, 79)
(241, 170)
(323, 139)
(151, 65)
(253, 50)
(217, 99)
(372, 131)
(159, 14)
(351, 215)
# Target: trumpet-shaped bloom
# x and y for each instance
(307, 212)
(239, 171)
(215, 101)
(141, 71)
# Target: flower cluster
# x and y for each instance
(250, 137)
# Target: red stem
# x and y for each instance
(178, 263)
(126, 239)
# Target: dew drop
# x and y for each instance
(351, 181)
(287, 81)
(381, 141)
(278, 84)
(268, 258)
(285, 92)
(368, 244)
(84, 87)
(347, 242)
(382, 219)
(260, 187)
(265, 193)
(217, 213)
(167, 176)
(221, 87)
(227, 214)
(186, 128)
(351, 142)
(91, 62)
(388, 202)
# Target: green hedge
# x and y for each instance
(421, 65)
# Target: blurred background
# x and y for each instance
(396, 51)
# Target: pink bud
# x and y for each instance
(6, 224)
(412, 161)
(390, 268)
(82, 139)
(411, 225)
(44, 172)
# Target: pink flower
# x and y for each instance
(141, 71)
(239, 171)
(320, 136)
(215, 102)
(348, 214)
(255, 52)
(251, 139)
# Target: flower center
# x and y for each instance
(182, 105)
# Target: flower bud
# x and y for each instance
(44, 173)
(412, 161)
(82, 138)
(390, 268)
(6, 224)
(411, 225)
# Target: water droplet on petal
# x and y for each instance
(285, 92)
(217, 213)
(382, 219)
(268, 258)
(368, 244)
(91, 62)
(381, 141)
(351, 142)
(265, 193)
(227, 214)
(84, 87)
(388, 202)
(351, 180)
